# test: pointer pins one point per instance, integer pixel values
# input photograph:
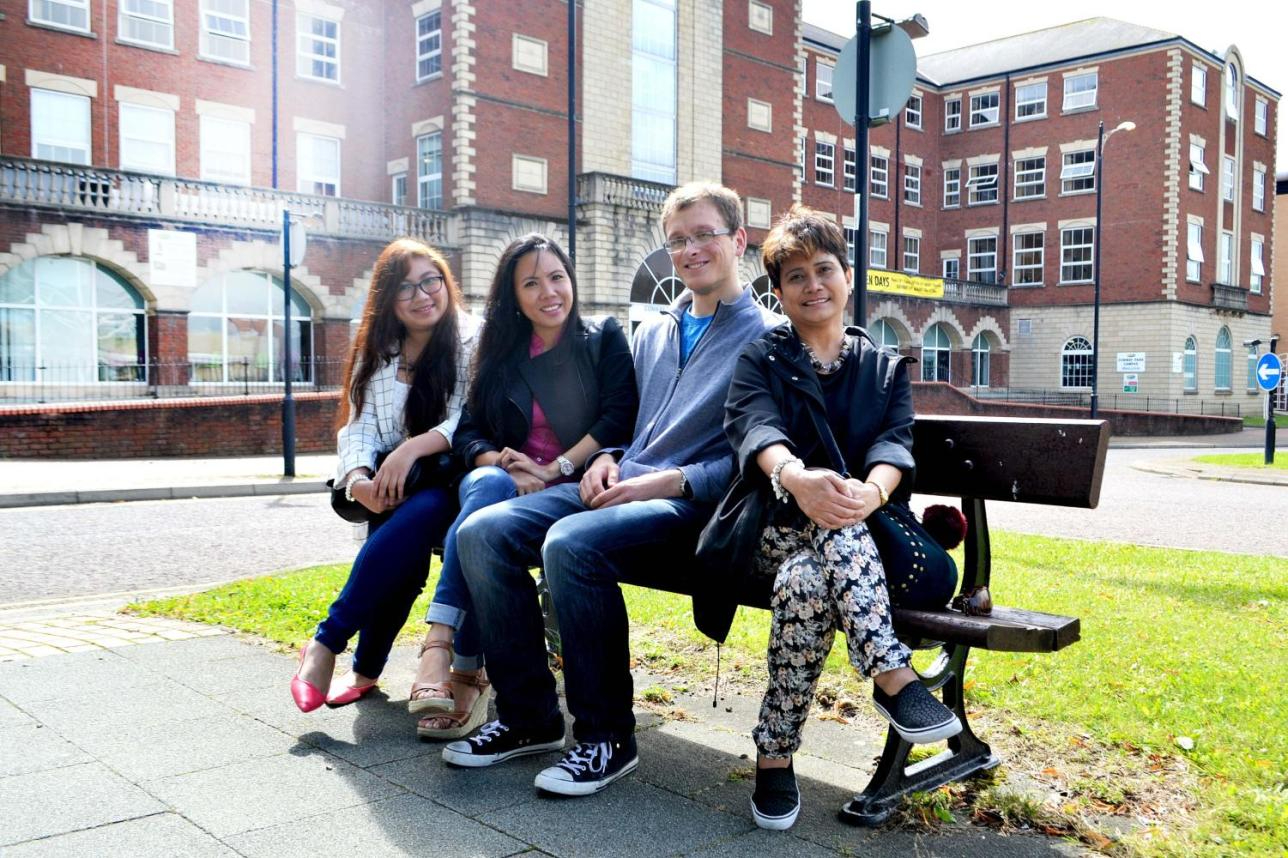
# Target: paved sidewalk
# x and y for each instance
(193, 747)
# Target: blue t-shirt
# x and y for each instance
(691, 330)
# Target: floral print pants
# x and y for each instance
(824, 580)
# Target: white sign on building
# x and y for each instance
(173, 256)
(1131, 361)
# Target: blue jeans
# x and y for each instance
(387, 576)
(451, 606)
(587, 554)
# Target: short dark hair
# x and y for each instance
(726, 202)
(802, 231)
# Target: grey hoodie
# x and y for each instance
(681, 418)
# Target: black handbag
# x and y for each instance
(730, 538)
(426, 472)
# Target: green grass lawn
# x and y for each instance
(1281, 420)
(1180, 672)
(1256, 461)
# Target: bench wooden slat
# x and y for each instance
(1005, 630)
(1058, 462)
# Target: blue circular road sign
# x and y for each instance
(1269, 370)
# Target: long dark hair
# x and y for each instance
(380, 337)
(506, 331)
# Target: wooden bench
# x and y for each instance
(974, 459)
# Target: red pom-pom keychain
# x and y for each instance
(945, 524)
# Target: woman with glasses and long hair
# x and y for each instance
(549, 389)
(404, 385)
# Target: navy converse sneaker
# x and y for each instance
(916, 715)
(777, 800)
(588, 767)
(495, 743)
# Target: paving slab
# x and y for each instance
(12, 716)
(630, 818)
(34, 747)
(406, 825)
(160, 834)
(164, 701)
(471, 792)
(215, 666)
(269, 791)
(780, 844)
(69, 674)
(56, 801)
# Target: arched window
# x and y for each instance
(935, 352)
(1190, 365)
(1076, 359)
(764, 295)
(66, 319)
(1222, 360)
(236, 325)
(979, 363)
(884, 334)
(1252, 369)
(1231, 91)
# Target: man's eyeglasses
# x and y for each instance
(698, 239)
(431, 285)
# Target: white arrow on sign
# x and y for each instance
(1266, 372)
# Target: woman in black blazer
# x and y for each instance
(549, 389)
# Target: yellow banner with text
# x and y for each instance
(898, 283)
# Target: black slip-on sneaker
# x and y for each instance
(916, 715)
(776, 800)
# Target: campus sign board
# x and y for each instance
(1131, 361)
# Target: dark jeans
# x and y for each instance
(386, 578)
(586, 555)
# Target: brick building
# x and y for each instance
(136, 146)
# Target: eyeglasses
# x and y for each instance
(698, 239)
(431, 285)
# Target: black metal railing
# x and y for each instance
(1113, 400)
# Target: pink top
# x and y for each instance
(542, 445)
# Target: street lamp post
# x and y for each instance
(1101, 139)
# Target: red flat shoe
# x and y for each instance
(307, 696)
(349, 694)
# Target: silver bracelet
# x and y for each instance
(776, 479)
(348, 487)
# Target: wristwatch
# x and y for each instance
(566, 467)
(686, 490)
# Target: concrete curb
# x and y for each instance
(1192, 471)
(152, 493)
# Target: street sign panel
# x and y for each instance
(1131, 361)
(892, 70)
(1269, 370)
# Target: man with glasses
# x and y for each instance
(635, 518)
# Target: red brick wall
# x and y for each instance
(408, 102)
(225, 426)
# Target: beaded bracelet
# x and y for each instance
(348, 487)
(775, 479)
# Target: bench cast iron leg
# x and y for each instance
(554, 643)
(894, 778)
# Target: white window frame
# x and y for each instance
(760, 17)
(232, 130)
(952, 187)
(1223, 360)
(425, 53)
(306, 178)
(71, 6)
(519, 164)
(1257, 264)
(530, 55)
(912, 114)
(424, 178)
(951, 267)
(980, 353)
(1198, 169)
(204, 49)
(912, 184)
(1026, 261)
(878, 242)
(305, 43)
(849, 167)
(124, 122)
(1030, 181)
(1036, 95)
(851, 240)
(1069, 265)
(953, 118)
(1194, 252)
(1261, 116)
(125, 17)
(1259, 189)
(1231, 92)
(1227, 178)
(974, 254)
(912, 251)
(824, 163)
(1077, 173)
(1079, 97)
(980, 113)
(1198, 84)
(884, 182)
(979, 185)
(50, 96)
(760, 115)
(823, 83)
(1076, 370)
(398, 189)
(1225, 258)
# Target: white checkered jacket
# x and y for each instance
(380, 427)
